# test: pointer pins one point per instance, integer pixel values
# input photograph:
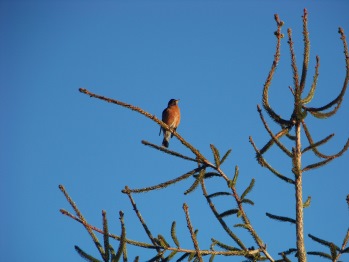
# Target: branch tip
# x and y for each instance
(64, 212)
(305, 11)
(278, 21)
(126, 190)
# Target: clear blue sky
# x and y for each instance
(214, 56)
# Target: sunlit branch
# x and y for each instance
(316, 152)
(338, 100)
(275, 138)
(127, 191)
(293, 61)
(313, 145)
(165, 184)
(267, 83)
(192, 234)
(313, 85)
(281, 218)
(220, 220)
(165, 150)
(83, 220)
(317, 165)
(105, 236)
(306, 50)
(265, 164)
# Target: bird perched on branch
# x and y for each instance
(170, 116)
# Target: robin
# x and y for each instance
(170, 116)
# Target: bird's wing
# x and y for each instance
(168, 117)
(164, 117)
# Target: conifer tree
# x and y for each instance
(289, 128)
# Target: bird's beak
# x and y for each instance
(177, 100)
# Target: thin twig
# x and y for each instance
(174, 153)
(128, 192)
(275, 137)
(265, 164)
(306, 50)
(317, 165)
(311, 93)
(122, 242)
(338, 100)
(247, 223)
(316, 151)
(192, 234)
(345, 242)
(319, 143)
(105, 236)
(220, 220)
(293, 60)
(267, 83)
(167, 183)
(83, 221)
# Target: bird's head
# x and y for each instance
(173, 102)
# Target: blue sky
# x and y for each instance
(214, 56)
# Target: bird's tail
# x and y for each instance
(166, 141)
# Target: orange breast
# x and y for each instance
(171, 116)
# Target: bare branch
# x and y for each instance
(316, 151)
(313, 86)
(105, 236)
(165, 184)
(306, 50)
(265, 164)
(313, 146)
(267, 83)
(317, 165)
(164, 149)
(281, 218)
(275, 138)
(128, 192)
(220, 220)
(293, 61)
(193, 236)
(122, 244)
(338, 100)
(83, 220)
